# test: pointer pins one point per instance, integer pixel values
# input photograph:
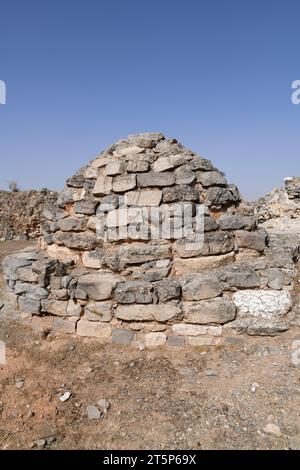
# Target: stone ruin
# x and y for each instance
(117, 261)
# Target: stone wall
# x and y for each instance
(21, 213)
(100, 274)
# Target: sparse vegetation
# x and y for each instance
(13, 186)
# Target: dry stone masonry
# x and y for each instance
(118, 261)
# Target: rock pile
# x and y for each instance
(21, 213)
(149, 244)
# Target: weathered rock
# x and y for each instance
(93, 412)
(185, 329)
(262, 304)
(103, 185)
(55, 307)
(61, 325)
(211, 178)
(94, 329)
(214, 243)
(181, 192)
(209, 311)
(253, 240)
(124, 183)
(176, 341)
(98, 286)
(122, 336)
(72, 224)
(196, 265)
(167, 289)
(86, 207)
(160, 313)
(62, 253)
(241, 278)
(145, 180)
(146, 197)
(133, 292)
(93, 259)
(98, 311)
(220, 197)
(292, 186)
(114, 168)
(77, 241)
(138, 166)
(29, 304)
(12, 263)
(152, 340)
(200, 288)
(32, 290)
(236, 222)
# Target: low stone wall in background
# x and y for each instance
(21, 213)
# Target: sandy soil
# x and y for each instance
(243, 395)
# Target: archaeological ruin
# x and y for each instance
(149, 245)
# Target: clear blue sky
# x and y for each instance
(215, 74)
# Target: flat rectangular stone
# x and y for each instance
(185, 329)
(176, 341)
(203, 312)
(61, 325)
(55, 307)
(94, 329)
(146, 197)
(122, 336)
(204, 263)
(155, 179)
(147, 312)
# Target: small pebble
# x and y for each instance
(65, 397)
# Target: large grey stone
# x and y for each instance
(124, 183)
(72, 224)
(150, 312)
(167, 289)
(32, 290)
(211, 178)
(132, 292)
(12, 263)
(214, 243)
(78, 241)
(209, 311)
(200, 288)
(252, 240)
(236, 222)
(29, 304)
(122, 336)
(217, 196)
(55, 307)
(98, 311)
(239, 277)
(86, 207)
(98, 286)
(165, 178)
(181, 192)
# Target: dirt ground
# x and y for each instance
(243, 395)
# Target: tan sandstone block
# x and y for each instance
(94, 329)
(205, 263)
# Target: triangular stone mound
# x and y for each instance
(149, 243)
